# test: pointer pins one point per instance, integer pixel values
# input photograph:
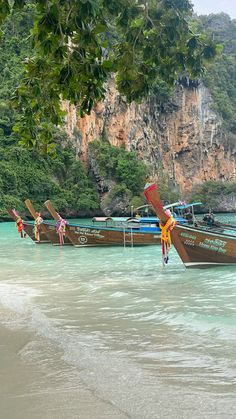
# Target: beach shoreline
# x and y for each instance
(20, 399)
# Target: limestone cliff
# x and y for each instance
(185, 138)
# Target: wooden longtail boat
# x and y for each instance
(28, 227)
(47, 229)
(198, 247)
(91, 235)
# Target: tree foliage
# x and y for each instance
(28, 174)
(209, 192)
(24, 174)
(221, 77)
(78, 43)
(120, 165)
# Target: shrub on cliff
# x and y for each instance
(121, 166)
(211, 192)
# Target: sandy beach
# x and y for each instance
(19, 399)
(87, 335)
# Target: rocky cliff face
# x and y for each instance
(184, 139)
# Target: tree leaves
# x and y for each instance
(18, 4)
(4, 10)
(78, 43)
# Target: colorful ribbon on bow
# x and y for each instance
(166, 238)
(37, 227)
(20, 226)
(61, 229)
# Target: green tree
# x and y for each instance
(78, 43)
(25, 173)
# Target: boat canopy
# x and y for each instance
(184, 206)
(172, 205)
(142, 220)
(143, 207)
(106, 219)
(165, 206)
(153, 220)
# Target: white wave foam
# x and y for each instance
(16, 304)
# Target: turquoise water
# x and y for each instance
(110, 333)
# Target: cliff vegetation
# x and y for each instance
(27, 173)
(74, 187)
(221, 76)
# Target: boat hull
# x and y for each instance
(53, 236)
(29, 229)
(47, 235)
(98, 236)
(198, 247)
(203, 248)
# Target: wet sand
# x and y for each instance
(19, 399)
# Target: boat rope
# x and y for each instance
(166, 238)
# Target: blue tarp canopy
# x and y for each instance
(143, 220)
(148, 220)
(152, 220)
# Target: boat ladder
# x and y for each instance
(128, 237)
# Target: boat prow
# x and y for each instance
(197, 246)
(45, 229)
(28, 227)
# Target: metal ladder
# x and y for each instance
(131, 241)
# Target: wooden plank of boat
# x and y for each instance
(28, 227)
(197, 247)
(48, 230)
(91, 235)
(48, 204)
(52, 228)
(87, 235)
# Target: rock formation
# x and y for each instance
(183, 139)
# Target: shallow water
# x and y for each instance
(109, 333)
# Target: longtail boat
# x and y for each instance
(28, 227)
(198, 246)
(44, 228)
(92, 235)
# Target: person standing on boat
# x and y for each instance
(38, 221)
(209, 218)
